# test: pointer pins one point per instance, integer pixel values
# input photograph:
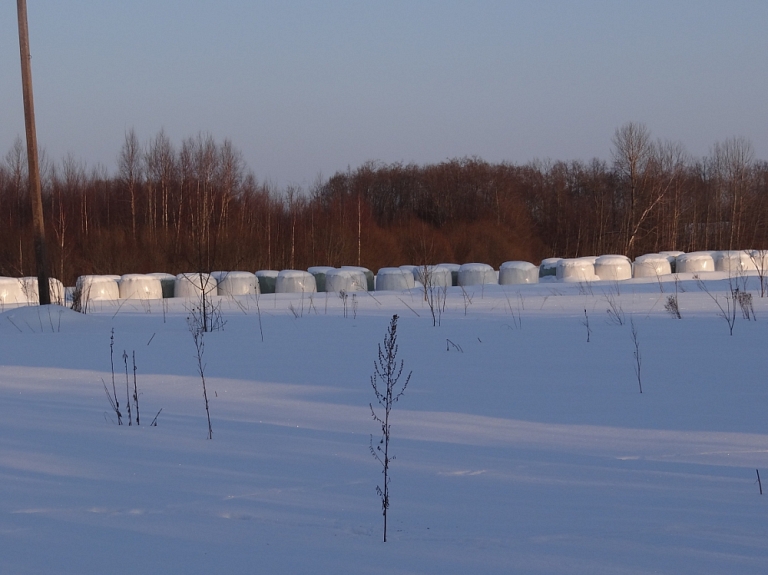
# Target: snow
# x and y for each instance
(523, 448)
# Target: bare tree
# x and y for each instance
(129, 167)
(632, 153)
(732, 169)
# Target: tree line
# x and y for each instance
(196, 206)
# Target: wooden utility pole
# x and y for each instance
(33, 164)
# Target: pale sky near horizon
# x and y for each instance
(306, 88)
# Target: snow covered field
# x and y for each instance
(520, 446)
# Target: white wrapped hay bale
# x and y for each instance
(694, 262)
(477, 274)
(295, 281)
(369, 283)
(548, 267)
(345, 280)
(319, 273)
(11, 291)
(394, 279)
(671, 255)
(576, 270)
(613, 267)
(140, 286)
(760, 259)
(93, 287)
(434, 276)
(56, 290)
(236, 283)
(651, 266)
(194, 285)
(516, 272)
(167, 283)
(734, 261)
(454, 269)
(267, 280)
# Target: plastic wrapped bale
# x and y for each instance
(295, 281)
(218, 276)
(369, 283)
(434, 276)
(651, 266)
(576, 270)
(394, 279)
(672, 257)
(11, 291)
(267, 280)
(56, 290)
(694, 262)
(236, 283)
(734, 261)
(345, 280)
(548, 267)
(167, 283)
(515, 272)
(140, 286)
(760, 259)
(92, 288)
(319, 273)
(454, 269)
(194, 285)
(412, 269)
(477, 274)
(613, 267)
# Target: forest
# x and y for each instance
(196, 206)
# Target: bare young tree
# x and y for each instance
(386, 376)
(198, 336)
(760, 259)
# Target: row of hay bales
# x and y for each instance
(352, 278)
(616, 267)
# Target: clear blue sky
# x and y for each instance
(307, 87)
